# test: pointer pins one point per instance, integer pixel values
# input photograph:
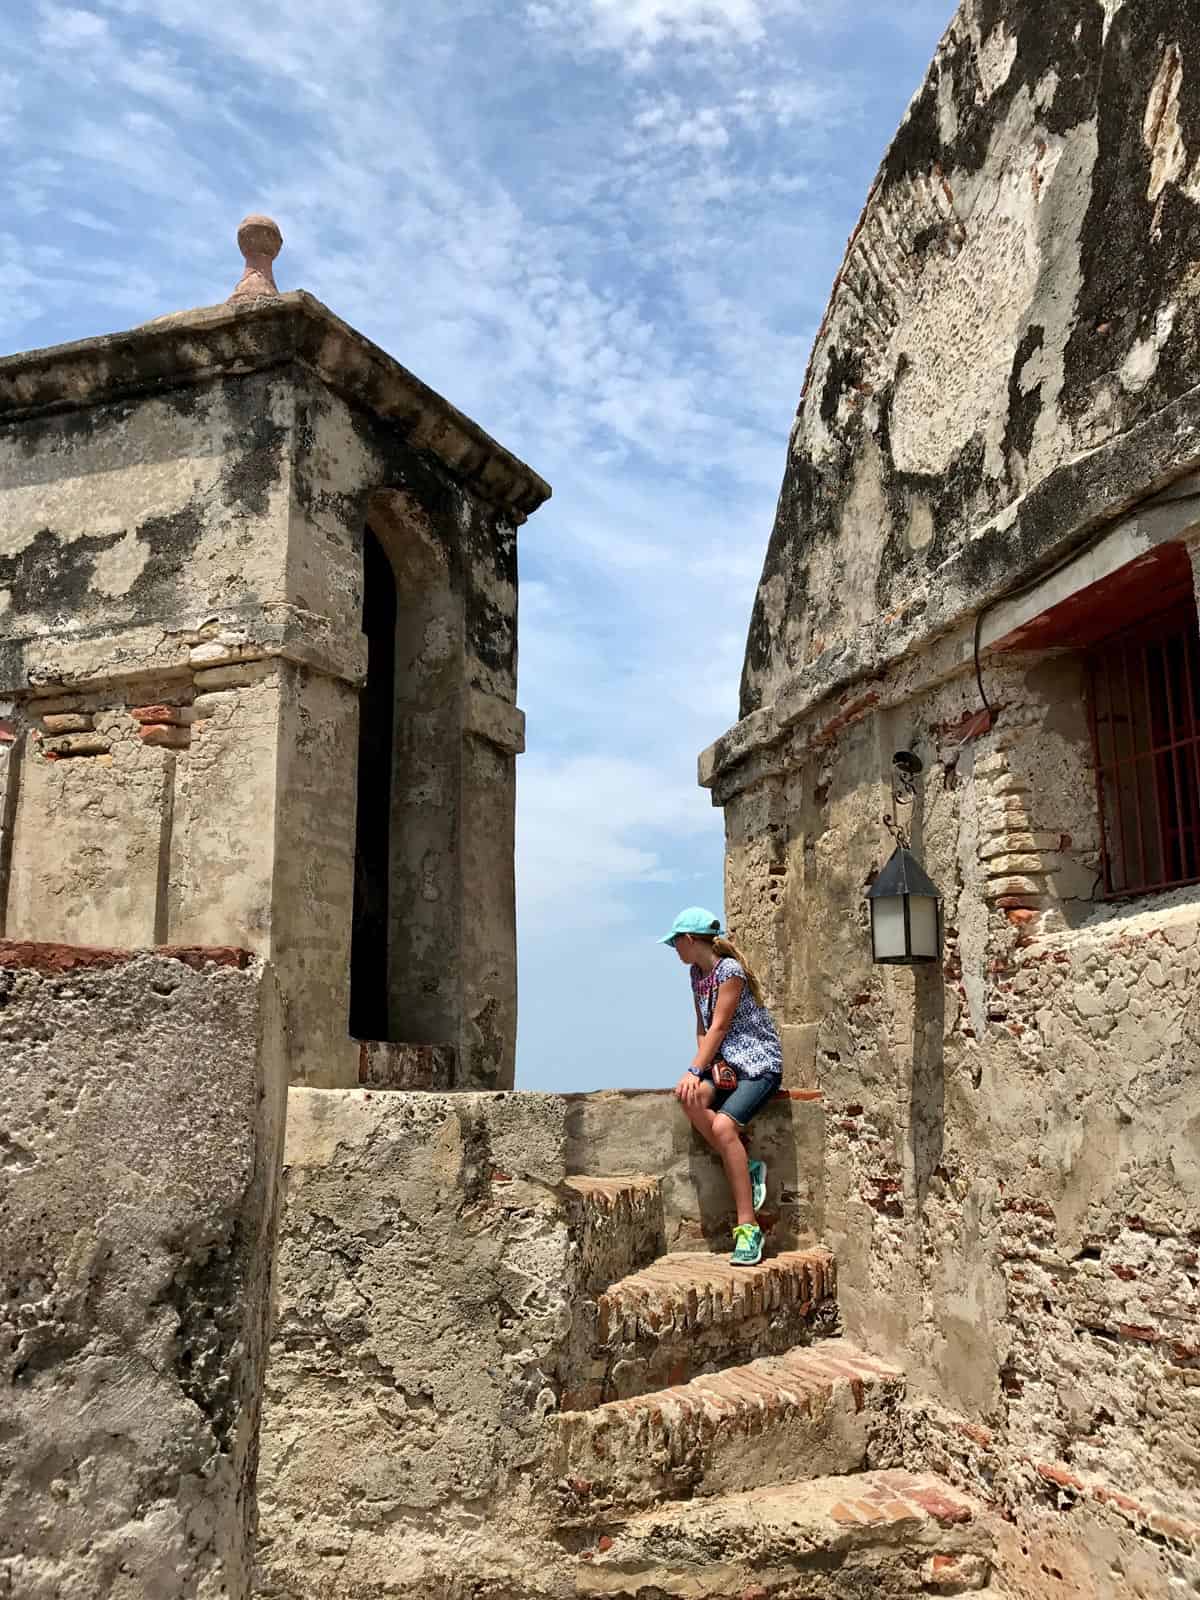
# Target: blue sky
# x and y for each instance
(607, 230)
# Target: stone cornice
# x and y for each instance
(195, 346)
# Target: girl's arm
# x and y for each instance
(689, 1085)
(709, 1044)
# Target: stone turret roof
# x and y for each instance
(257, 332)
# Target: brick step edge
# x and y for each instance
(755, 1545)
(817, 1410)
(789, 1379)
(682, 1293)
(618, 1225)
(686, 1316)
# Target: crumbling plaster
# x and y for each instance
(1013, 313)
(1009, 1176)
(144, 1099)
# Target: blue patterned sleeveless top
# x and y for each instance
(752, 1045)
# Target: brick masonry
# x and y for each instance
(818, 1410)
(687, 1314)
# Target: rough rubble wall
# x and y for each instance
(1004, 378)
(1021, 294)
(424, 1290)
(138, 1169)
(1012, 1151)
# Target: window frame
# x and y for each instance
(1172, 763)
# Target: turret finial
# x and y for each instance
(260, 241)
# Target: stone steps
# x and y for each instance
(691, 1313)
(820, 1410)
(617, 1224)
(887, 1533)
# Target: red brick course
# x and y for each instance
(53, 959)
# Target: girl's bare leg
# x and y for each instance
(725, 1137)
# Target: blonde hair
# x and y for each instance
(725, 948)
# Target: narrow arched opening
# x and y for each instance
(369, 963)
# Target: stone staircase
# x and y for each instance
(717, 1439)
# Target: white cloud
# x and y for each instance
(69, 28)
(637, 28)
(591, 827)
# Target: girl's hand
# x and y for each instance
(687, 1088)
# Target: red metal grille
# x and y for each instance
(1144, 707)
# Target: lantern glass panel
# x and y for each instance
(887, 928)
(923, 921)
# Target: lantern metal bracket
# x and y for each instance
(906, 769)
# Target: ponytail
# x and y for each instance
(726, 949)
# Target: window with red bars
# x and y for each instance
(1144, 705)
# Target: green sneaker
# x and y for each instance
(747, 1245)
(758, 1184)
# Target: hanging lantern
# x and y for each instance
(906, 913)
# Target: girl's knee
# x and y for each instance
(726, 1129)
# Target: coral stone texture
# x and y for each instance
(143, 1125)
(1017, 310)
(258, 670)
(994, 467)
(489, 1377)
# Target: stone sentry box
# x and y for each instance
(187, 512)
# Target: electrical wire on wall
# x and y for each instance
(1018, 592)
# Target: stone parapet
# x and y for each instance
(424, 1284)
(629, 1131)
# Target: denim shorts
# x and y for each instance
(750, 1095)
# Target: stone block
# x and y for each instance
(1012, 888)
(632, 1131)
(425, 1278)
(143, 1100)
(799, 1041)
(1011, 865)
(166, 736)
(1017, 842)
(489, 717)
(236, 676)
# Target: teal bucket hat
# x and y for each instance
(694, 920)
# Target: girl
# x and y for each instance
(738, 1064)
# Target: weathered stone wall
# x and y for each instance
(996, 455)
(425, 1281)
(182, 516)
(1016, 309)
(1011, 1168)
(143, 1127)
(456, 1294)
